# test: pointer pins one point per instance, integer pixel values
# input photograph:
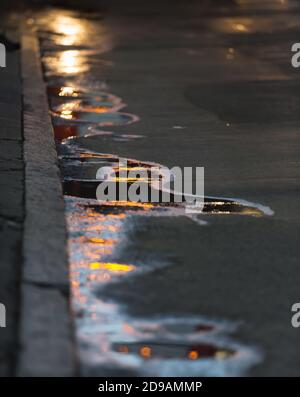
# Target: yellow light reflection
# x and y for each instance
(70, 29)
(220, 355)
(235, 24)
(230, 53)
(86, 106)
(113, 267)
(132, 204)
(92, 155)
(130, 169)
(127, 179)
(67, 114)
(68, 91)
(101, 241)
(230, 208)
(70, 62)
(69, 106)
(240, 27)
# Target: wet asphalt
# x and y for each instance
(213, 86)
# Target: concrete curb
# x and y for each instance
(46, 328)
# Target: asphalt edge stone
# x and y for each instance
(46, 331)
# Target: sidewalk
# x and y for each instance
(34, 283)
(11, 200)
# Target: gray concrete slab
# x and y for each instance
(11, 205)
(47, 345)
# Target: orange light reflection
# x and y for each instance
(146, 352)
(193, 355)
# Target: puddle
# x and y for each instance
(79, 181)
(68, 133)
(87, 189)
(80, 93)
(85, 106)
(109, 338)
(164, 350)
(65, 29)
(102, 119)
(97, 232)
(72, 61)
(161, 346)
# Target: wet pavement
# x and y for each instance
(157, 292)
